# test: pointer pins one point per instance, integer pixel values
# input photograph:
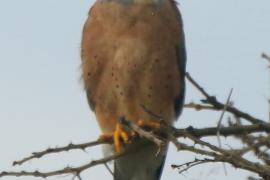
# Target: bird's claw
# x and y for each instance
(148, 124)
(119, 137)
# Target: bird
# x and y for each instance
(133, 55)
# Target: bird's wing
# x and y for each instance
(181, 60)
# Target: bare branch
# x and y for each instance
(265, 56)
(142, 132)
(221, 155)
(109, 169)
(199, 107)
(165, 133)
(224, 131)
(263, 141)
(220, 123)
(217, 153)
(186, 166)
(69, 147)
(204, 132)
(68, 170)
(220, 106)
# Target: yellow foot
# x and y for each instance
(119, 137)
(148, 124)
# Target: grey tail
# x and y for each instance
(144, 161)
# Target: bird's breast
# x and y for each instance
(130, 61)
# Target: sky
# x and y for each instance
(42, 102)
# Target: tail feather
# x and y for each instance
(145, 162)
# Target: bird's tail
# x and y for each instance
(144, 161)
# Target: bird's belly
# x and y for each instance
(130, 61)
(139, 77)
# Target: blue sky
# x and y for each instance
(42, 102)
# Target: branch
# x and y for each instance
(186, 166)
(69, 147)
(199, 107)
(220, 106)
(224, 131)
(203, 132)
(68, 170)
(265, 56)
(166, 133)
(142, 132)
(221, 155)
(173, 134)
(255, 145)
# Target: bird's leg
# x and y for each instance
(119, 136)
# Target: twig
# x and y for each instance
(264, 141)
(69, 147)
(183, 147)
(109, 169)
(221, 155)
(68, 170)
(265, 56)
(160, 118)
(216, 153)
(186, 166)
(204, 132)
(142, 132)
(220, 106)
(220, 123)
(225, 131)
(223, 112)
(199, 107)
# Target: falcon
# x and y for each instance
(133, 56)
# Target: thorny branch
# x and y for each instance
(186, 166)
(217, 105)
(76, 171)
(170, 134)
(224, 131)
(265, 56)
(204, 132)
(69, 147)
